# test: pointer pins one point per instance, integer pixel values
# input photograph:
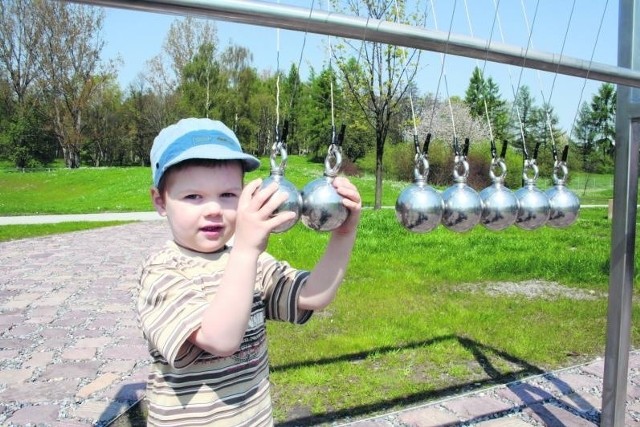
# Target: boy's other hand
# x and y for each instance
(255, 219)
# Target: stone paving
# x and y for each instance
(71, 353)
(569, 397)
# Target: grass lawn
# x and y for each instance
(419, 316)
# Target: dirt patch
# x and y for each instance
(531, 289)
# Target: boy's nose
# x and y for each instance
(212, 208)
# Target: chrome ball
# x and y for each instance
(499, 207)
(534, 208)
(564, 206)
(419, 208)
(462, 207)
(322, 207)
(293, 203)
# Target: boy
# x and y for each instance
(202, 304)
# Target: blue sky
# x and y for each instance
(136, 37)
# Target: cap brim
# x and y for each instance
(216, 153)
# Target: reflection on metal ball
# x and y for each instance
(534, 208)
(419, 208)
(322, 207)
(499, 207)
(462, 207)
(293, 203)
(564, 206)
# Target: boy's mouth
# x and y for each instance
(212, 229)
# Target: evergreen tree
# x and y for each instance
(484, 102)
(603, 116)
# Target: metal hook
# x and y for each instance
(333, 161)
(279, 147)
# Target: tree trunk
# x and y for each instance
(379, 172)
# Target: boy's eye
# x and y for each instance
(229, 195)
(192, 197)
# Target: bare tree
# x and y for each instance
(72, 71)
(380, 76)
(20, 35)
(451, 118)
(184, 40)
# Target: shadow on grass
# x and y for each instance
(530, 396)
(480, 353)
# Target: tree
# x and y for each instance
(20, 35)
(584, 134)
(316, 120)
(22, 132)
(594, 130)
(438, 115)
(484, 102)
(184, 41)
(108, 142)
(386, 71)
(200, 84)
(70, 60)
(603, 116)
(147, 112)
(525, 120)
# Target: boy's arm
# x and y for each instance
(326, 276)
(225, 320)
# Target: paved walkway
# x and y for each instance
(71, 353)
(51, 219)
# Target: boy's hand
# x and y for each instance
(352, 201)
(254, 219)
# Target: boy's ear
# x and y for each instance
(158, 201)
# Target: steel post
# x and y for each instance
(625, 198)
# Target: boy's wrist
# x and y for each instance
(247, 253)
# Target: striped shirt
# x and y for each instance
(188, 386)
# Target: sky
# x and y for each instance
(567, 27)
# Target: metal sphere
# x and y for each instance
(419, 208)
(564, 206)
(322, 207)
(534, 207)
(293, 203)
(462, 207)
(499, 207)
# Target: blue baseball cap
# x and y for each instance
(196, 139)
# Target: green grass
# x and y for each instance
(404, 330)
(405, 327)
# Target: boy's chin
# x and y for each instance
(204, 247)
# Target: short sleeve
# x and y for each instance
(170, 308)
(281, 285)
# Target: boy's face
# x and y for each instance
(200, 204)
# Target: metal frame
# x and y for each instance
(625, 198)
(626, 75)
